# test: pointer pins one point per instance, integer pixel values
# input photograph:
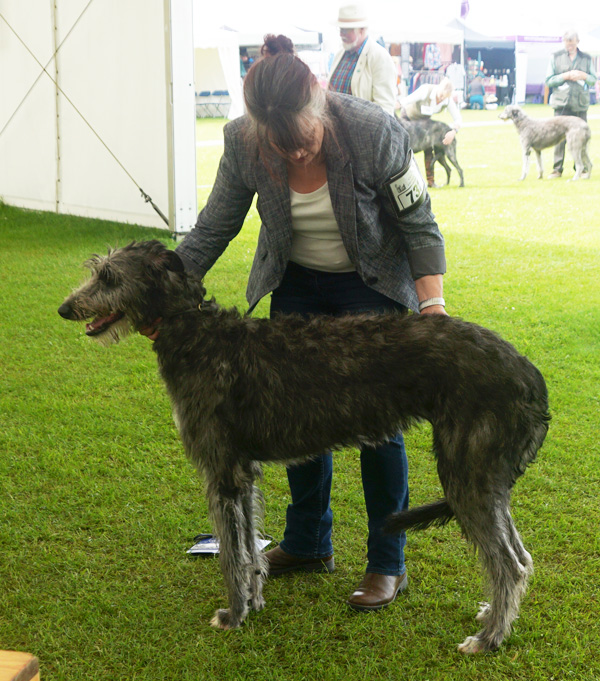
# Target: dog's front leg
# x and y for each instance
(258, 568)
(227, 512)
(525, 170)
(540, 165)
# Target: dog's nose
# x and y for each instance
(65, 311)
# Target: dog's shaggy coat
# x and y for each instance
(539, 134)
(247, 391)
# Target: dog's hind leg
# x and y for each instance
(487, 523)
(451, 153)
(576, 143)
(441, 158)
(588, 163)
(226, 495)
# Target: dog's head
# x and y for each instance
(126, 291)
(511, 113)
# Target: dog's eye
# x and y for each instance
(108, 276)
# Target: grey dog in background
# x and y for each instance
(247, 391)
(538, 134)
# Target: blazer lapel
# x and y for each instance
(274, 207)
(341, 191)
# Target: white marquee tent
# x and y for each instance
(97, 107)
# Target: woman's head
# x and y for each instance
(285, 102)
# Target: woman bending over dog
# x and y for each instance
(346, 228)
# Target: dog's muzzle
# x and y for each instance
(95, 327)
(65, 311)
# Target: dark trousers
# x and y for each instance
(559, 149)
(384, 469)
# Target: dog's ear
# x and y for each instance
(173, 262)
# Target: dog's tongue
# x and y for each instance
(101, 323)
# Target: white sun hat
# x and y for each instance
(352, 16)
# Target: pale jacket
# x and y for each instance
(375, 77)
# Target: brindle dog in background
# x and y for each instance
(247, 391)
(426, 133)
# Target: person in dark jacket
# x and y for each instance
(570, 75)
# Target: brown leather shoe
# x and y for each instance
(281, 562)
(377, 591)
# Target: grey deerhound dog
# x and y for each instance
(426, 133)
(539, 134)
(247, 391)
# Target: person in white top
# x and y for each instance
(425, 102)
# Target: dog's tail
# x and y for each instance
(420, 518)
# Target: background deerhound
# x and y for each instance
(426, 133)
(247, 391)
(539, 134)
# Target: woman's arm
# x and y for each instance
(225, 211)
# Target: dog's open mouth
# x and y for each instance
(100, 324)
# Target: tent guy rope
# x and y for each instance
(145, 196)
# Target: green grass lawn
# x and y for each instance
(98, 503)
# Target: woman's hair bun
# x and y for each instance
(276, 44)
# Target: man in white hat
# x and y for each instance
(362, 68)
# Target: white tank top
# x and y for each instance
(316, 239)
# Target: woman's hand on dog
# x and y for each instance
(431, 286)
(449, 137)
(434, 309)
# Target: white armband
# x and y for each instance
(407, 189)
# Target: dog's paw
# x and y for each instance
(224, 620)
(484, 611)
(257, 603)
(471, 645)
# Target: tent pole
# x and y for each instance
(55, 45)
(181, 115)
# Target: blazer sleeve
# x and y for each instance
(424, 241)
(223, 216)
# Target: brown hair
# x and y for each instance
(282, 97)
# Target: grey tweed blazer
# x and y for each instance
(369, 148)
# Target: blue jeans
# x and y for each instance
(384, 469)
